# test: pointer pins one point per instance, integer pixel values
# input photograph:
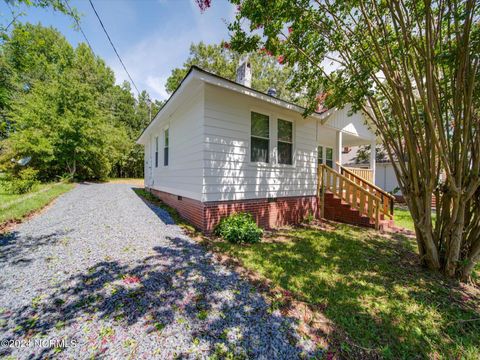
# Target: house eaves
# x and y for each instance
(210, 78)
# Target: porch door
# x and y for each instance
(325, 155)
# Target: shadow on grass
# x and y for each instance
(372, 288)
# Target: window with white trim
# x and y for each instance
(320, 154)
(165, 147)
(285, 142)
(325, 155)
(156, 151)
(260, 138)
(329, 157)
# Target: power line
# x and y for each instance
(113, 46)
(79, 27)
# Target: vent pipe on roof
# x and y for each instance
(272, 92)
(244, 72)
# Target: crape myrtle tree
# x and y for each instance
(413, 68)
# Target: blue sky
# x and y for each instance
(152, 36)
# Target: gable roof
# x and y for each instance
(207, 77)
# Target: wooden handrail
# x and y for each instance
(366, 174)
(379, 189)
(349, 191)
(351, 182)
(388, 200)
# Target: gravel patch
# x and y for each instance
(104, 275)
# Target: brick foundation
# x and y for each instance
(190, 209)
(268, 213)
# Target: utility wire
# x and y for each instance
(80, 28)
(113, 46)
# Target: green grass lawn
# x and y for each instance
(15, 207)
(372, 288)
(403, 218)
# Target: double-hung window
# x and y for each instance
(260, 138)
(156, 151)
(165, 147)
(285, 142)
(320, 155)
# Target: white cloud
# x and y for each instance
(151, 59)
(157, 84)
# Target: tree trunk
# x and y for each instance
(421, 214)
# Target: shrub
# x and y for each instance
(65, 178)
(309, 218)
(239, 228)
(22, 183)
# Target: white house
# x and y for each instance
(218, 146)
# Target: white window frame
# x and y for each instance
(273, 139)
(324, 154)
(156, 148)
(165, 129)
(270, 143)
(292, 143)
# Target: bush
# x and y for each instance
(309, 218)
(22, 183)
(239, 228)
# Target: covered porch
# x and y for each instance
(333, 143)
(348, 194)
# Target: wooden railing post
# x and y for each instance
(387, 200)
(348, 189)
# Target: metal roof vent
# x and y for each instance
(272, 92)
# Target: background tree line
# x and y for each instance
(60, 106)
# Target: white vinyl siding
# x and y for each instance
(229, 174)
(184, 173)
(209, 146)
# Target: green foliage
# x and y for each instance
(309, 218)
(239, 228)
(412, 69)
(365, 284)
(21, 183)
(219, 59)
(16, 207)
(65, 178)
(60, 106)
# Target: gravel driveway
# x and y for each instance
(107, 276)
